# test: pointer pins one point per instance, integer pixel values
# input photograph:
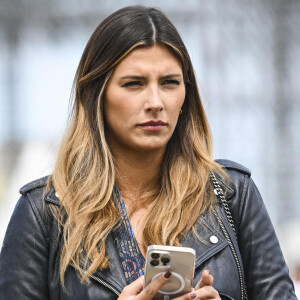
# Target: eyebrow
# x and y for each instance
(143, 77)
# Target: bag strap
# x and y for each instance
(219, 192)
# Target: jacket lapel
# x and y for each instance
(114, 274)
(209, 241)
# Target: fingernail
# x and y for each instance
(168, 274)
(193, 295)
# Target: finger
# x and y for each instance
(205, 280)
(153, 287)
(184, 297)
(205, 293)
(134, 288)
(137, 285)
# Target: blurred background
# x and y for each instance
(246, 55)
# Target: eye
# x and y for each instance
(132, 84)
(171, 82)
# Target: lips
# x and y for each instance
(153, 125)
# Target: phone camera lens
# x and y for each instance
(154, 262)
(165, 260)
(155, 255)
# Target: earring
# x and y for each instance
(180, 112)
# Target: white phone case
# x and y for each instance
(179, 260)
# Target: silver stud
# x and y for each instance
(56, 195)
(213, 239)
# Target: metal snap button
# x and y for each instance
(213, 239)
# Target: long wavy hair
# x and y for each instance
(85, 174)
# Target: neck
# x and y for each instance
(137, 171)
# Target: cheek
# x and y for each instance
(182, 97)
(113, 103)
(119, 110)
(178, 103)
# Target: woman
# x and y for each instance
(135, 168)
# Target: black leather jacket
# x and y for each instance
(29, 261)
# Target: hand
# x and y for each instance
(135, 291)
(203, 290)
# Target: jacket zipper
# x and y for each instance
(109, 286)
(242, 284)
(106, 285)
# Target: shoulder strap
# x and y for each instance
(219, 192)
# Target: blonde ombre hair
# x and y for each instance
(85, 175)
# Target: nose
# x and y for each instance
(154, 100)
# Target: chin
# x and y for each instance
(151, 147)
(148, 144)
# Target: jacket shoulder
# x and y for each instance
(33, 199)
(232, 165)
(33, 185)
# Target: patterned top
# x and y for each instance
(131, 259)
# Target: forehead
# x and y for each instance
(153, 57)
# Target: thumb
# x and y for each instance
(205, 280)
(137, 286)
(153, 287)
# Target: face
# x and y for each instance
(143, 99)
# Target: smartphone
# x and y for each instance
(179, 260)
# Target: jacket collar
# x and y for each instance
(227, 187)
(52, 197)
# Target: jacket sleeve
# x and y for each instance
(24, 255)
(266, 272)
